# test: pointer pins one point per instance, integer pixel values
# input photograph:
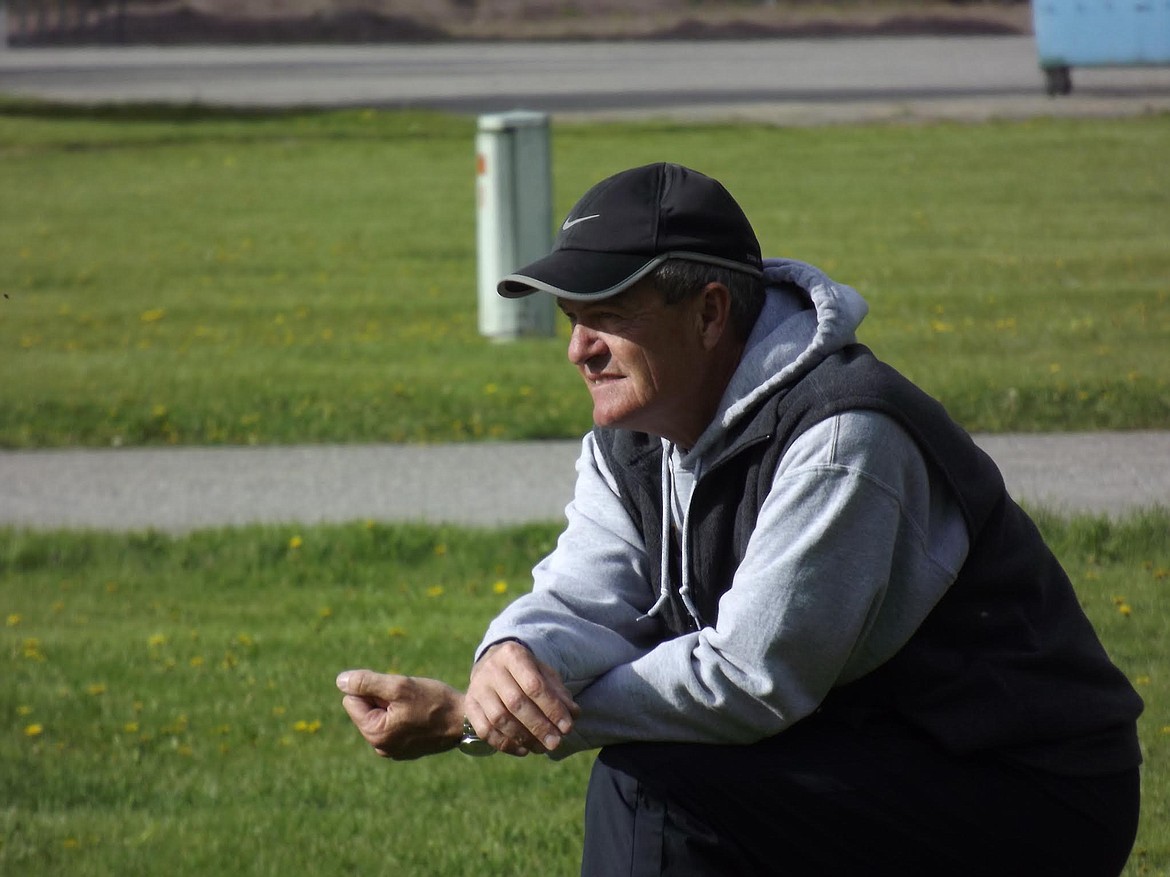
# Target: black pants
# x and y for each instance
(824, 799)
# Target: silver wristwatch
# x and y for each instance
(471, 743)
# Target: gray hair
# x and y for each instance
(678, 279)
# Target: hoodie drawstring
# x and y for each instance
(668, 542)
(664, 565)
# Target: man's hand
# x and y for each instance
(517, 703)
(402, 717)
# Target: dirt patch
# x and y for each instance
(320, 21)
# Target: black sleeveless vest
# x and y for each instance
(1007, 660)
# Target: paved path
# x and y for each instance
(177, 490)
(791, 81)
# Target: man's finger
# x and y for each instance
(488, 732)
(360, 683)
(562, 693)
(551, 703)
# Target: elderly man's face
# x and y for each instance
(640, 359)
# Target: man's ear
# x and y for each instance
(713, 315)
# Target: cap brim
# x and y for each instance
(579, 274)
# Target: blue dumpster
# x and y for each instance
(1098, 33)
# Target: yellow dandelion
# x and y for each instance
(197, 661)
(34, 730)
(303, 727)
(13, 620)
(153, 315)
(71, 843)
(500, 587)
(435, 591)
(1141, 680)
(295, 542)
(156, 640)
(490, 389)
(95, 689)
(440, 550)
(324, 612)
(396, 631)
(178, 726)
(130, 728)
(1166, 729)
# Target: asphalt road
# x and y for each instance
(791, 81)
(181, 489)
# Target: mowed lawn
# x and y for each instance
(169, 707)
(187, 277)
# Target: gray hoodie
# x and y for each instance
(854, 545)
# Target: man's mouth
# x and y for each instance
(604, 378)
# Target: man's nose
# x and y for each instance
(584, 345)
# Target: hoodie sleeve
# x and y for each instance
(587, 611)
(853, 546)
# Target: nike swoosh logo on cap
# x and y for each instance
(569, 223)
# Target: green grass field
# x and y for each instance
(169, 708)
(180, 276)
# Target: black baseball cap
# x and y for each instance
(629, 224)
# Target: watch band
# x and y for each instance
(471, 743)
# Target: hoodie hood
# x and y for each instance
(806, 317)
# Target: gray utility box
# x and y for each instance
(1098, 33)
(514, 219)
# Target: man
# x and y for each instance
(793, 604)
